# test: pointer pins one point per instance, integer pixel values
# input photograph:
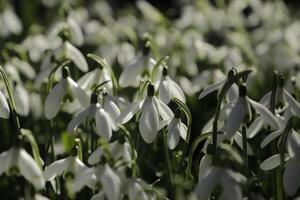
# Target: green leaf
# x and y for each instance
(68, 141)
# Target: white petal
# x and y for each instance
(96, 156)
(30, 170)
(79, 119)
(291, 181)
(111, 183)
(164, 111)
(99, 196)
(87, 79)
(173, 133)
(148, 123)
(293, 144)
(54, 99)
(130, 111)
(233, 93)
(103, 124)
(4, 108)
(265, 113)
(176, 91)
(265, 100)
(236, 117)
(207, 183)
(130, 73)
(75, 31)
(255, 127)
(84, 178)
(238, 138)
(77, 57)
(55, 169)
(4, 163)
(78, 93)
(271, 162)
(111, 108)
(12, 21)
(205, 163)
(295, 105)
(183, 130)
(231, 191)
(272, 136)
(164, 91)
(211, 88)
(22, 100)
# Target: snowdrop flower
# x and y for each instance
(22, 100)
(226, 178)
(169, 89)
(132, 73)
(151, 109)
(241, 111)
(96, 77)
(291, 181)
(10, 23)
(102, 175)
(69, 167)
(17, 161)
(176, 129)
(104, 119)
(66, 86)
(4, 108)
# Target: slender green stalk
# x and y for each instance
(167, 155)
(245, 154)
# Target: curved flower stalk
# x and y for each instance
(132, 73)
(104, 117)
(66, 86)
(241, 111)
(226, 178)
(152, 109)
(4, 108)
(169, 89)
(16, 161)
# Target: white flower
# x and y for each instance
(226, 178)
(10, 23)
(132, 73)
(291, 181)
(22, 100)
(95, 77)
(104, 119)
(169, 89)
(4, 108)
(176, 129)
(103, 174)
(70, 167)
(151, 109)
(66, 86)
(17, 160)
(242, 109)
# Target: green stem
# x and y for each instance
(168, 160)
(247, 172)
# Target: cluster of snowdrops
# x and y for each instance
(101, 107)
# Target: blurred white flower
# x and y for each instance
(10, 23)
(132, 73)
(151, 109)
(17, 161)
(226, 178)
(4, 108)
(22, 100)
(169, 89)
(66, 86)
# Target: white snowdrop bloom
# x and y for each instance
(4, 108)
(17, 161)
(69, 167)
(217, 86)
(101, 175)
(226, 178)
(103, 118)
(66, 86)
(291, 181)
(176, 129)
(151, 109)
(241, 110)
(22, 100)
(23, 67)
(96, 77)
(10, 23)
(132, 73)
(169, 89)
(36, 45)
